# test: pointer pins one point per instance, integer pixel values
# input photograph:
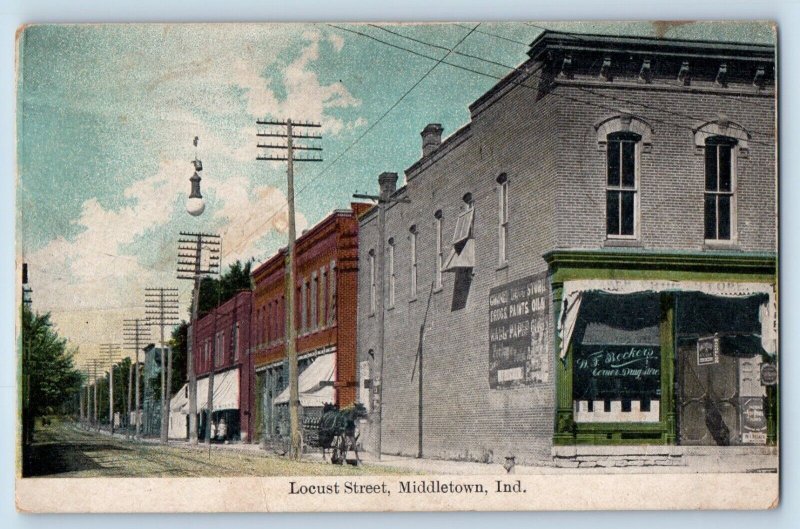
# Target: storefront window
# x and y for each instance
(617, 358)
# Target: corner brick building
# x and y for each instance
(587, 267)
(326, 258)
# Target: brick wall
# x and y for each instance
(543, 137)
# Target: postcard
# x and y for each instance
(394, 267)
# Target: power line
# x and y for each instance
(495, 35)
(489, 61)
(583, 89)
(522, 84)
(316, 177)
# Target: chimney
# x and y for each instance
(388, 184)
(431, 138)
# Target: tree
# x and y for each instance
(178, 344)
(50, 378)
(214, 292)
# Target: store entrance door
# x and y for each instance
(719, 395)
(708, 396)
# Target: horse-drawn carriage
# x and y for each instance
(336, 429)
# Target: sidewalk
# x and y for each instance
(711, 460)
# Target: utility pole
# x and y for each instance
(135, 333)
(161, 306)
(287, 150)
(110, 352)
(388, 184)
(92, 365)
(191, 249)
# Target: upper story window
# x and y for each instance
(719, 188)
(502, 220)
(413, 274)
(391, 273)
(722, 142)
(622, 184)
(373, 288)
(462, 254)
(314, 299)
(219, 349)
(304, 307)
(332, 293)
(437, 227)
(235, 339)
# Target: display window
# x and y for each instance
(617, 359)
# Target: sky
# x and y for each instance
(106, 115)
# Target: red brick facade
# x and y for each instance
(230, 322)
(326, 271)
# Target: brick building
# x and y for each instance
(326, 271)
(591, 260)
(222, 340)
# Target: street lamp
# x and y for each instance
(196, 205)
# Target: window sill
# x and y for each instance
(437, 290)
(412, 300)
(714, 244)
(390, 308)
(622, 243)
(503, 266)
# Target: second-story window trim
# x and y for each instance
(719, 209)
(622, 185)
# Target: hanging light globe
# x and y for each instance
(196, 205)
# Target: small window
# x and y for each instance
(304, 307)
(462, 254)
(622, 184)
(391, 273)
(502, 229)
(373, 288)
(439, 253)
(413, 273)
(235, 339)
(314, 298)
(719, 189)
(323, 297)
(332, 294)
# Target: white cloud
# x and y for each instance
(94, 280)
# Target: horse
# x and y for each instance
(339, 432)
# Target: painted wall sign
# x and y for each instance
(769, 374)
(617, 371)
(518, 323)
(708, 351)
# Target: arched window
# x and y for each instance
(622, 184)
(720, 177)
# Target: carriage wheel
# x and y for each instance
(339, 450)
